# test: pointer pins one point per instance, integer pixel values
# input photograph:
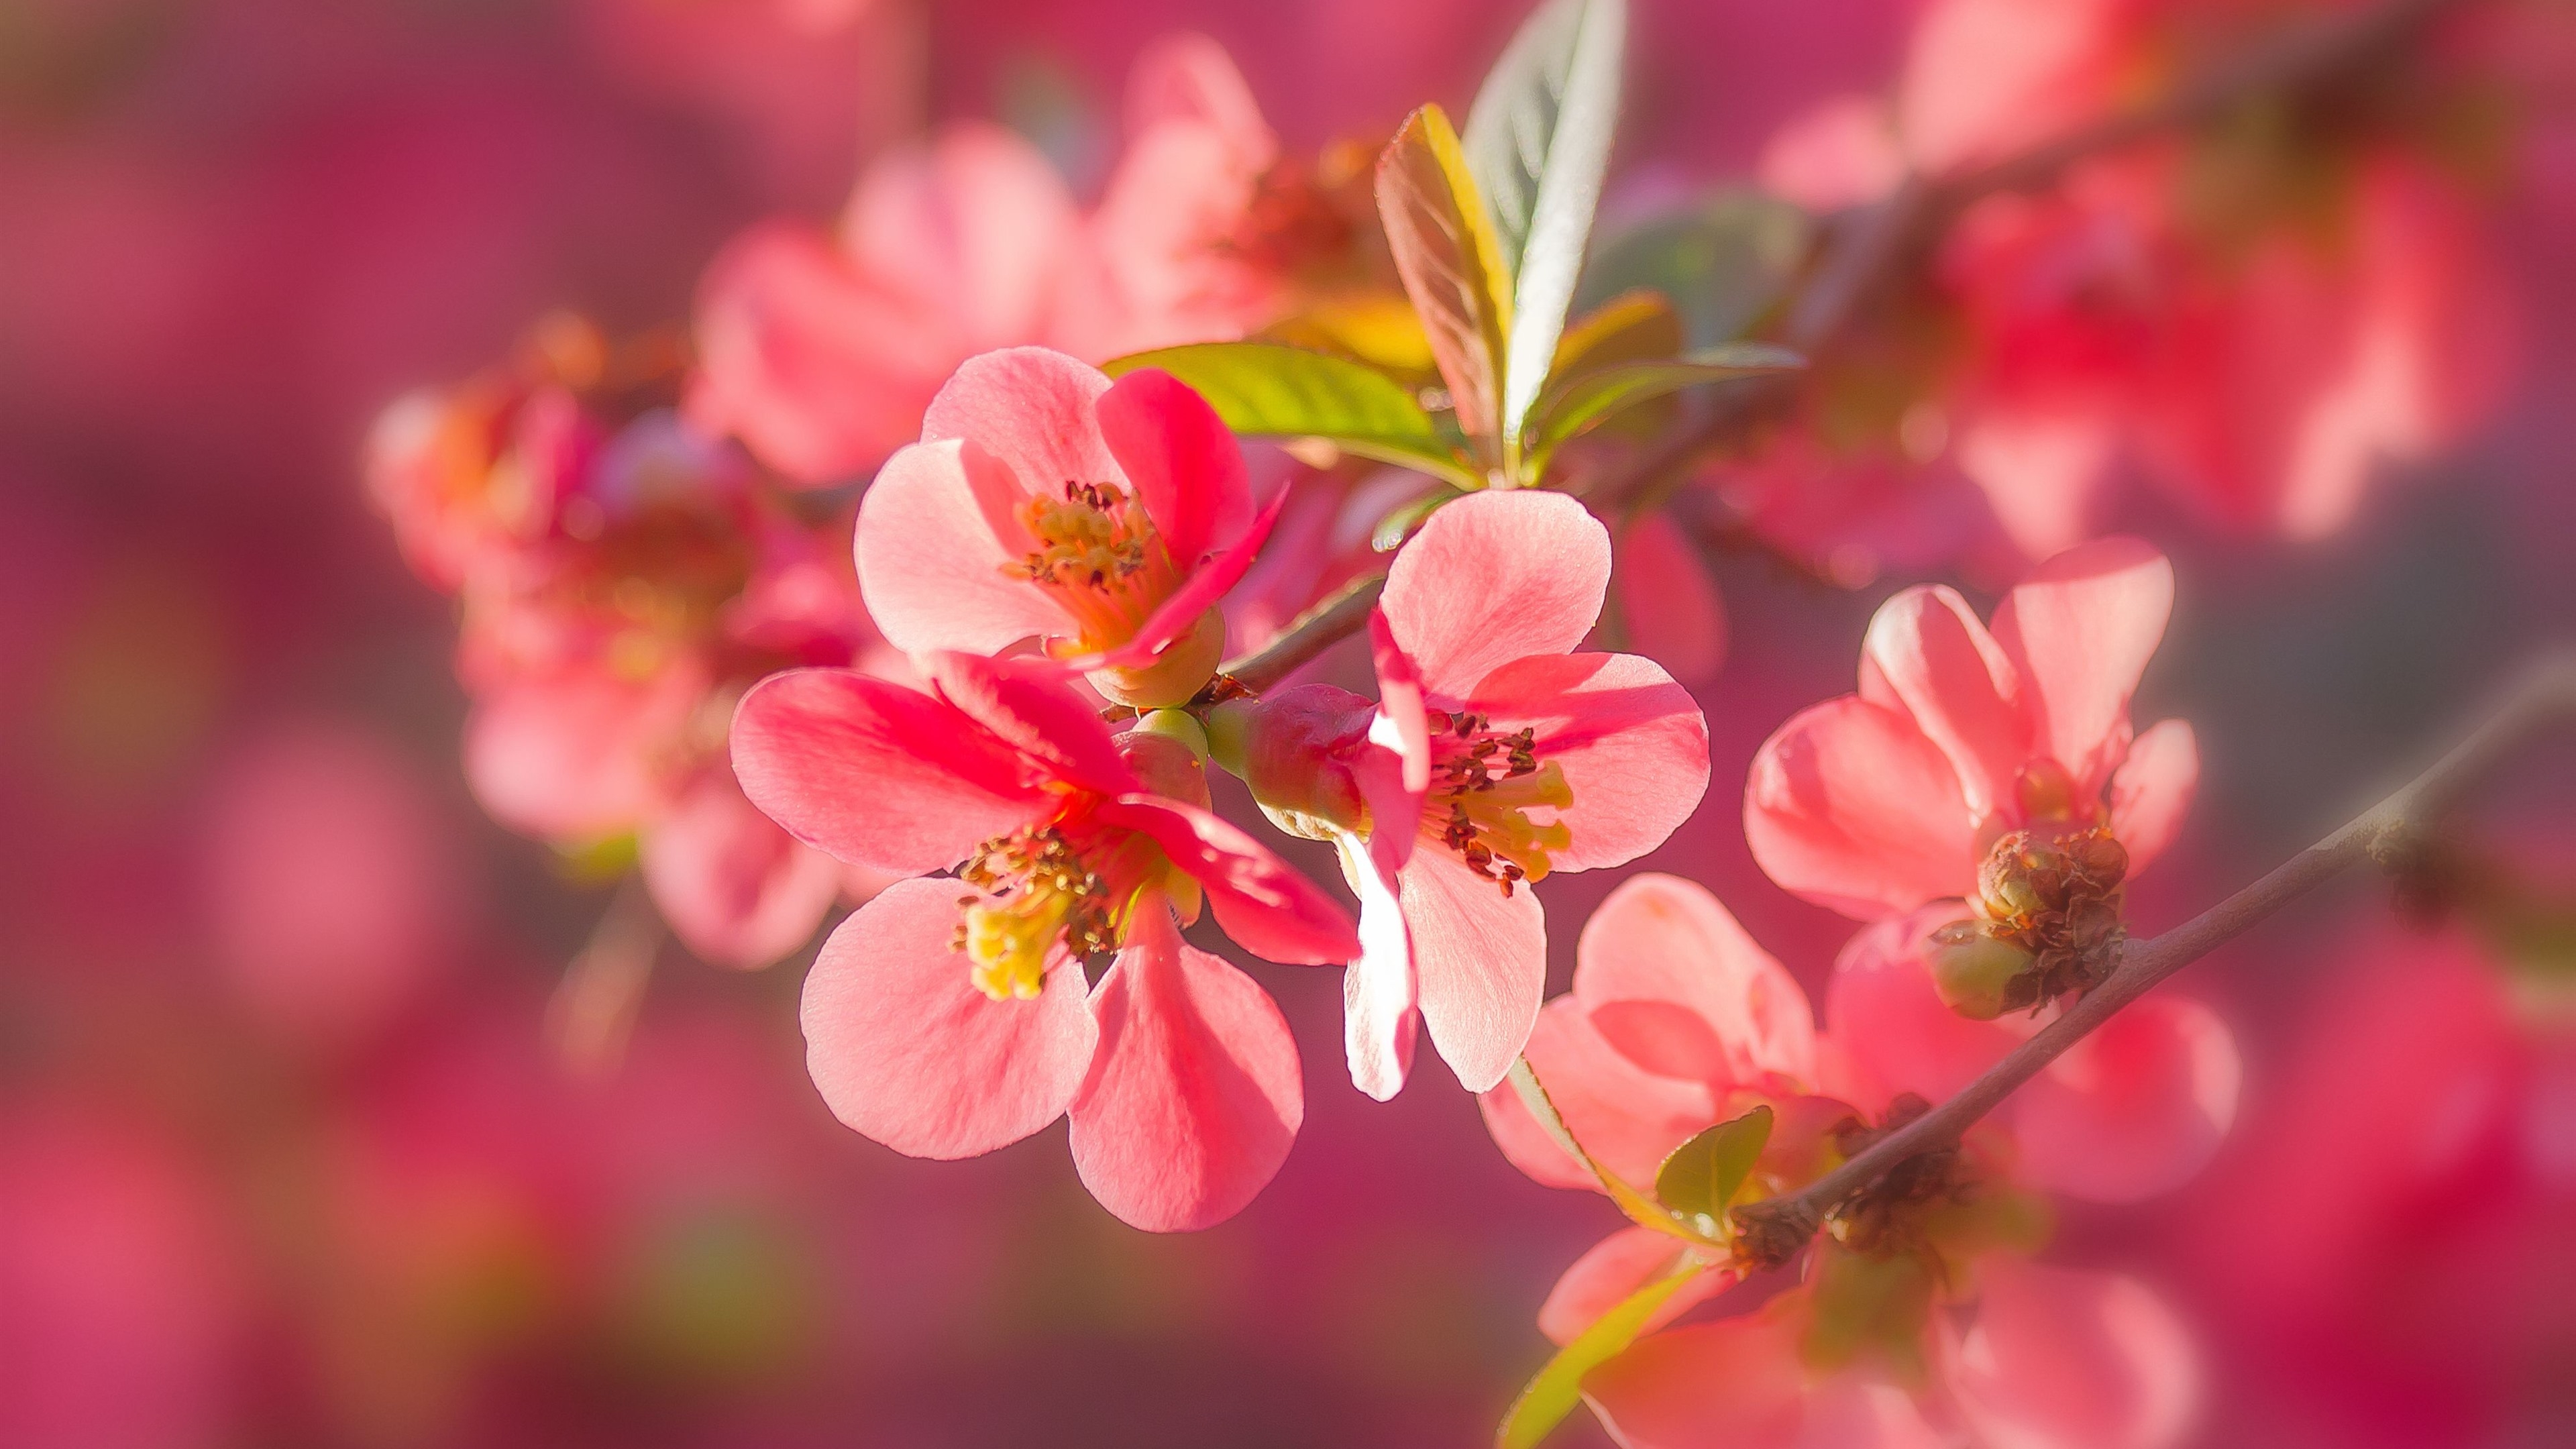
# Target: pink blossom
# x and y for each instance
(1496, 755)
(947, 1018)
(1881, 801)
(821, 351)
(1678, 1020)
(1105, 519)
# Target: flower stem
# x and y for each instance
(1309, 634)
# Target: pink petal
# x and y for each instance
(1184, 464)
(2058, 1357)
(1667, 600)
(1494, 577)
(1632, 743)
(1480, 959)
(874, 773)
(1629, 1119)
(1731, 1014)
(814, 367)
(1880, 1006)
(1034, 411)
(1270, 909)
(2044, 471)
(973, 228)
(1030, 705)
(1378, 991)
(908, 1052)
(935, 551)
(1187, 77)
(2081, 631)
(578, 754)
(2152, 790)
(1932, 659)
(1851, 807)
(1194, 1098)
(1400, 709)
(1738, 1382)
(737, 889)
(1615, 1268)
(2134, 1109)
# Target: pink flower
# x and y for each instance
(1105, 519)
(1881, 801)
(821, 351)
(947, 1018)
(1677, 1021)
(1496, 756)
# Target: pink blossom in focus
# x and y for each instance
(1105, 519)
(947, 1018)
(1496, 755)
(1881, 801)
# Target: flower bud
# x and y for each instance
(1974, 972)
(1175, 675)
(1165, 764)
(1294, 750)
(1174, 724)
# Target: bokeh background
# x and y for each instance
(286, 1158)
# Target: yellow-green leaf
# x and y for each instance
(1700, 1177)
(1642, 1210)
(1638, 325)
(1558, 1387)
(1581, 403)
(1265, 390)
(1452, 267)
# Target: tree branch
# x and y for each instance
(1782, 1225)
(1309, 634)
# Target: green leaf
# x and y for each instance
(1635, 326)
(1558, 1387)
(1700, 1177)
(1264, 390)
(1582, 402)
(1538, 142)
(1641, 1209)
(1443, 242)
(1725, 261)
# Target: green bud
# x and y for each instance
(1972, 970)
(1174, 724)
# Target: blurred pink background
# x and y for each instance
(284, 1157)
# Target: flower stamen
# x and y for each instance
(1483, 784)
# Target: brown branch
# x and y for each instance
(1782, 1225)
(1309, 634)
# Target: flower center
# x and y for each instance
(1039, 892)
(1101, 556)
(1483, 784)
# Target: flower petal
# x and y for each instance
(1378, 1016)
(1932, 659)
(1629, 1119)
(2080, 630)
(971, 228)
(874, 773)
(1881, 1007)
(1494, 577)
(1270, 908)
(1184, 464)
(935, 545)
(1031, 408)
(2058, 1356)
(908, 1052)
(1851, 807)
(1738, 1382)
(2134, 1109)
(1194, 1098)
(1173, 618)
(573, 755)
(1030, 706)
(1616, 1267)
(1480, 960)
(1662, 941)
(1671, 607)
(735, 887)
(2152, 790)
(1632, 743)
(1401, 720)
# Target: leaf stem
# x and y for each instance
(2545, 693)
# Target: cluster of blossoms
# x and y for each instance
(989, 718)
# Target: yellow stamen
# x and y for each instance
(1099, 553)
(1483, 786)
(1040, 894)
